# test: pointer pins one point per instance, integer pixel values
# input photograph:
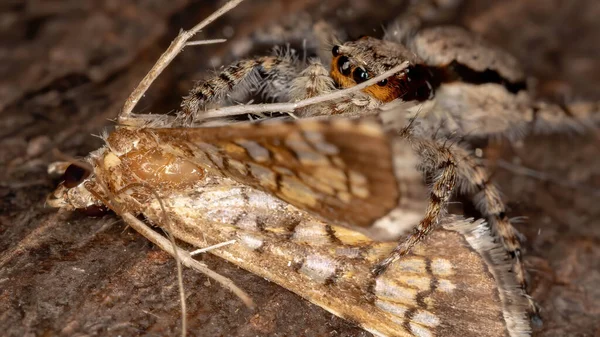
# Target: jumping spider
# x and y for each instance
(460, 87)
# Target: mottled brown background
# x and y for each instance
(67, 66)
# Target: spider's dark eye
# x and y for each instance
(344, 65)
(75, 175)
(382, 83)
(335, 51)
(360, 75)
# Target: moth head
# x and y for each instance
(75, 192)
(357, 61)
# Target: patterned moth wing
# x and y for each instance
(342, 170)
(455, 283)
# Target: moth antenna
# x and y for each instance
(72, 160)
(165, 59)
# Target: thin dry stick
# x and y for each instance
(292, 106)
(177, 253)
(218, 245)
(186, 259)
(203, 42)
(165, 59)
(289, 107)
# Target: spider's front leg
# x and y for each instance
(451, 168)
(269, 76)
(439, 163)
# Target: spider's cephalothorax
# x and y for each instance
(358, 61)
(465, 87)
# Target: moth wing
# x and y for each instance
(457, 282)
(339, 169)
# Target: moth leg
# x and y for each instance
(269, 76)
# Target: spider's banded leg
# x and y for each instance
(575, 117)
(268, 75)
(472, 178)
(442, 165)
(493, 112)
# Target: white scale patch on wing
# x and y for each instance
(395, 309)
(390, 291)
(441, 267)
(446, 286)
(257, 152)
(422, 283)
(317, 140)
(400, 287)
(305, 154)
(247, 222)
(426, 318)
(265, 176)
(420, 331)
(358, 184)
(396, 223)
(252, 242)
(319, 268)
(311, 232)
(411, 265)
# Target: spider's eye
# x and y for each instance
(335, 51)
(75, 175)
(344, 65)
(360, 75)
(382, 83)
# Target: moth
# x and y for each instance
(304, 201)
(456, 282)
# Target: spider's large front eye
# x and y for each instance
(344, 65)
(335, 50)
(360, 75)
(75, 175)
